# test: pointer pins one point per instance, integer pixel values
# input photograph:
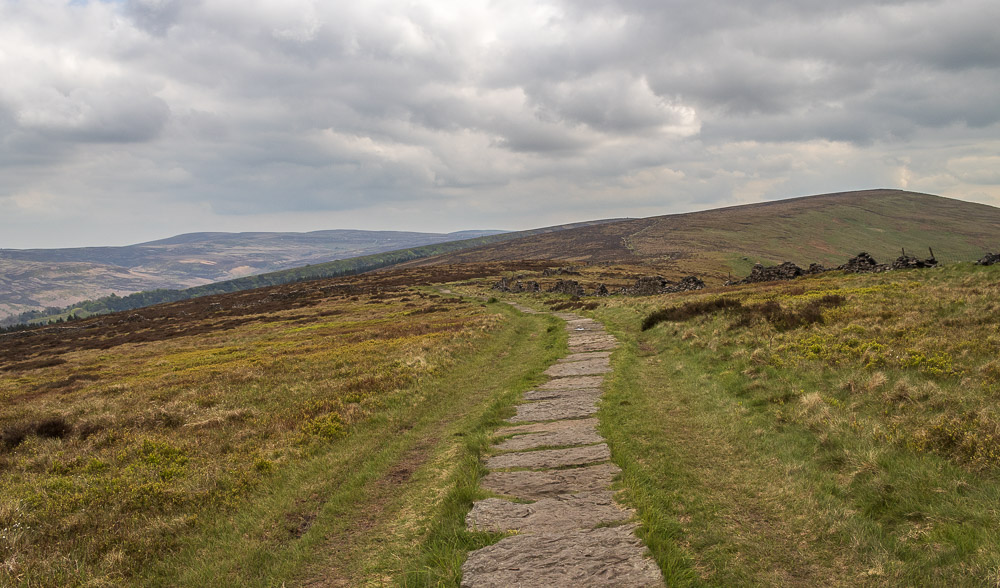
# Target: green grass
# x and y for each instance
(858, 450)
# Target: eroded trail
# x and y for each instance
(572, 532)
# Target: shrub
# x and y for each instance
(689, 310)
(53, 428)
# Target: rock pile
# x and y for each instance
(650, 285)
(910, 262)
(785, 271)
(989, 259)
(571, 287)
(863, 263)
(504, 285)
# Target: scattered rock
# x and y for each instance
(989, 259)
(602, 290)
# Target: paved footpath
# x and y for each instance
(554, 463)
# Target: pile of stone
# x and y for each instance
(571, 287)
(785, 271)
(650, 285)
(863, 263)
(989, 259)
(602, 290)
(905, 261)
(815, 268)
(505, 285)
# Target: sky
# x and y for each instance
(128, 121)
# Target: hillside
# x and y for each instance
(32, 279)
(834, 430)
(826, 229)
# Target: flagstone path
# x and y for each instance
(554, 463)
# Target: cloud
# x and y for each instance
(326, 114)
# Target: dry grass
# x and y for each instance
(142, 427)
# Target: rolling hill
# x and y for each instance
(825, 229)
(32, 279)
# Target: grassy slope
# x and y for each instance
(825, 229)
(258, 438)
(863, 450)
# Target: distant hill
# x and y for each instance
(826, 229)
(32, 279)
(340, 267)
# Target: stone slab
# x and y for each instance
(534, 485)
(579, 368)
(583, 510)
(591, 393)
(584, 356)
(573, 382)
(593, 345)
(578, 325)
(565, 437)
(566, 316)
(550, 410)
(575, 424)
(550, 458)
(602, 558)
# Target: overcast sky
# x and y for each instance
(122, 122)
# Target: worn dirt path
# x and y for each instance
(554, 463)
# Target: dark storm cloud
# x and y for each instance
(368, 110)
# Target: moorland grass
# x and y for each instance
(860, 449)
(259, 437)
